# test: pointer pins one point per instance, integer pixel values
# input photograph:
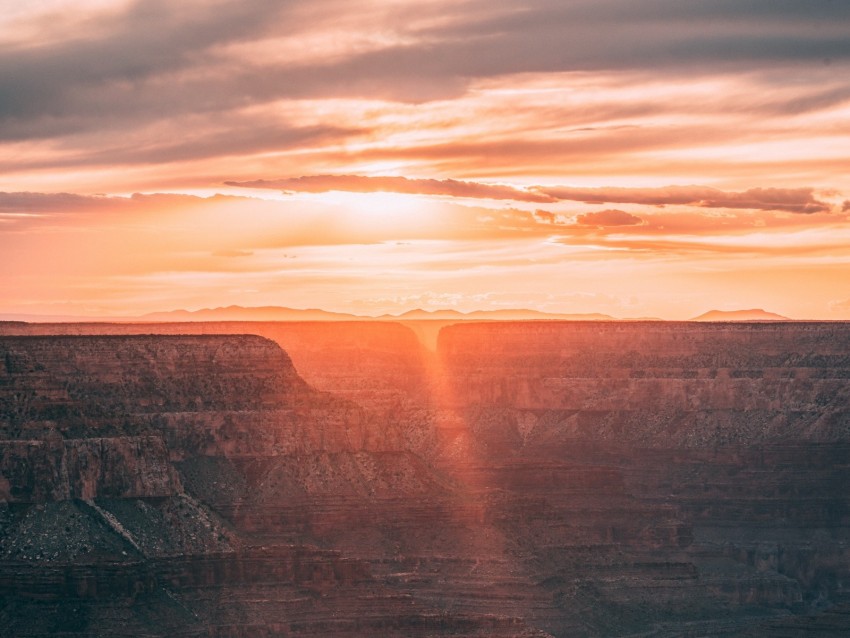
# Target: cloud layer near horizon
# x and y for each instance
(74, 254)
(394, 184)
(793, 200)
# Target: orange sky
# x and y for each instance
(658, 158)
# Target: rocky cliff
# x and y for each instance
(741, 430)
(381, 364)
(136, 470)
(561, 478)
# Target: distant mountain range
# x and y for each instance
(756, 314)
(497, 315)
(240, 313)
(280, 313)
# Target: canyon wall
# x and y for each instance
(195, 485)
(377, 363)
(741, 430)
(530, 478)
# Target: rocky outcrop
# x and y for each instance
(381, 364)
(192, 485)
(658, 384)
(38, 471)
(741, 430)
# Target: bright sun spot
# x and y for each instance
(381, 210)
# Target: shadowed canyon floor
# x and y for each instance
(341, 479)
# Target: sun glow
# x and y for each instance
(395, 212)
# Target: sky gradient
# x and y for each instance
(655, 158)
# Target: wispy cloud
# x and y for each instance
(364, 184)
(610, 217)
(132, 68)
(795, 200)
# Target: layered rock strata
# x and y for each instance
(741, 430)
(575, 479)
(140, 478)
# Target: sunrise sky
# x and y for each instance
(654, 158)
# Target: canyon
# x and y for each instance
(425, 478)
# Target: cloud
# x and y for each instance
(331, 87)
(545, 215)
(53, 202)
(827, 243)
(479, 39)
(147, 40)
(365, 184)
(610, 217)
(27, 202)
(25, 210)
(794, 200)
(154, 60)
(239, 139)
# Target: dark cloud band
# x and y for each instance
(158, 60)
(365, 184)
(794, 200)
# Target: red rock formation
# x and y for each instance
(37, 471)
(577, 478)
(97, 529)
